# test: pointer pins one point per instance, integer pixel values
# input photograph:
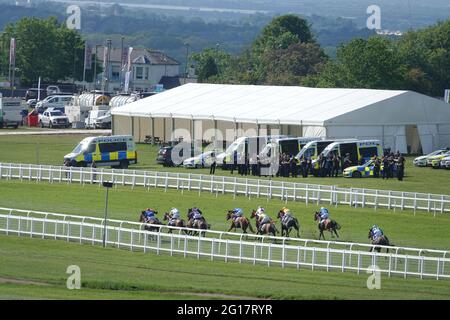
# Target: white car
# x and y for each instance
(53, 118)
(203, 160)
(445, 163)
(422, 161)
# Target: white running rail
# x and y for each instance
(308, 193)
(288, 253)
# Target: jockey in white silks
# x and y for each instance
(175, 215)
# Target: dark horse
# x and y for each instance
(286, 226)
(381, 241)
(179, 223)
(239, 222)
(268, 228)
(149, 224)
(196, 224)
(330, 225)
(154, 221)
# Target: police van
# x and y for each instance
(290, 146)
(312, 149)
(358, 150)
(243, 146)
(114, 151)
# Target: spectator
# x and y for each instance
(347, 162)
(376, 167)
(391, 163)
(329, 166)
(293, 165)
(385, 162)
(336, 165)
(400, 167)
(212, 170)
(94, 174)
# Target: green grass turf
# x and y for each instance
(51, 150)
(112, 273)
(403, 228)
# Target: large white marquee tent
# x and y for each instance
(403, 120)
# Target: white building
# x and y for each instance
(403, 120)
(149, 67)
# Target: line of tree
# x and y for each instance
(45, 48)
(286, 53)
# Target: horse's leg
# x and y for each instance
(231, 227)
(335, 231)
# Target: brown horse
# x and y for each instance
(179, 223)
(239, 222)
(150, 223)
(287, 225)
(196, 224)
(330, 225)
(268, 228)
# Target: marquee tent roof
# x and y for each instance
(289, 105)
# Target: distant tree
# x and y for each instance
(45, 48)
(211, 64)
(283, 31)
(372, 63)
(289, 66)
(426, 54)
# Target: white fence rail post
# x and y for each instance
(304, 192)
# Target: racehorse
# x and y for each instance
(179, 223)
(382, 241)
(239, 222)
(150, 223)
(330, 225)
(268, 228)
(291, 222)
(196, 224)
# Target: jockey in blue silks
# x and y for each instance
(150, 214)
(324, 215)
(238, 212)
(377, 232)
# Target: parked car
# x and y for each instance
(91, 120)
(422, 160)
(445, 163)
(104, 122)
(53, 118)
(364, 171)
(435, 161)
(165, 154)
(51, 90)
(203, 160)
(32, 93)
(54, 101)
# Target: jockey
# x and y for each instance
(197, 215)
(150, 215)
(263, 219)
(260, 211)
(238, 212)
(377, 232)
(324, 214)
(175, 215)
(287, 215)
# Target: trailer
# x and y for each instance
(10, 112)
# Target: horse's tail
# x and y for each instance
(337, 226)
